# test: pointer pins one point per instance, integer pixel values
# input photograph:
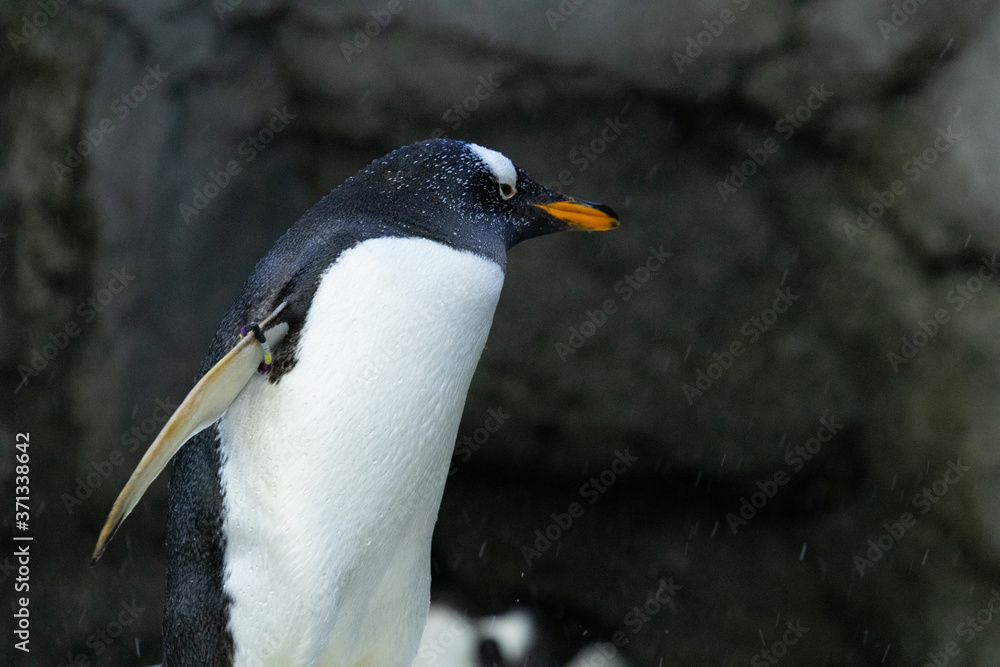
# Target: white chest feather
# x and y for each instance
(332, 478)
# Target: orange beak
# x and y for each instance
(581, 215)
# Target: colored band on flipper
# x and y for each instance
(259, 335)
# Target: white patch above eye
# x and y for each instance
(499, 164)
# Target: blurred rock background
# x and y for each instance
(739, 137)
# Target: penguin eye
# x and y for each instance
(507, 190)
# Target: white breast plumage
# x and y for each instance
(332, 477)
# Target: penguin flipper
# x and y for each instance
(203, 405)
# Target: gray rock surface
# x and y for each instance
(882, 95)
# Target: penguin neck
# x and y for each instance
(332, 477)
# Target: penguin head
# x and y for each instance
(474, 197)
(497, 193)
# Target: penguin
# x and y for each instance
(320, 432)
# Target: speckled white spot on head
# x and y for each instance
(499, 164)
